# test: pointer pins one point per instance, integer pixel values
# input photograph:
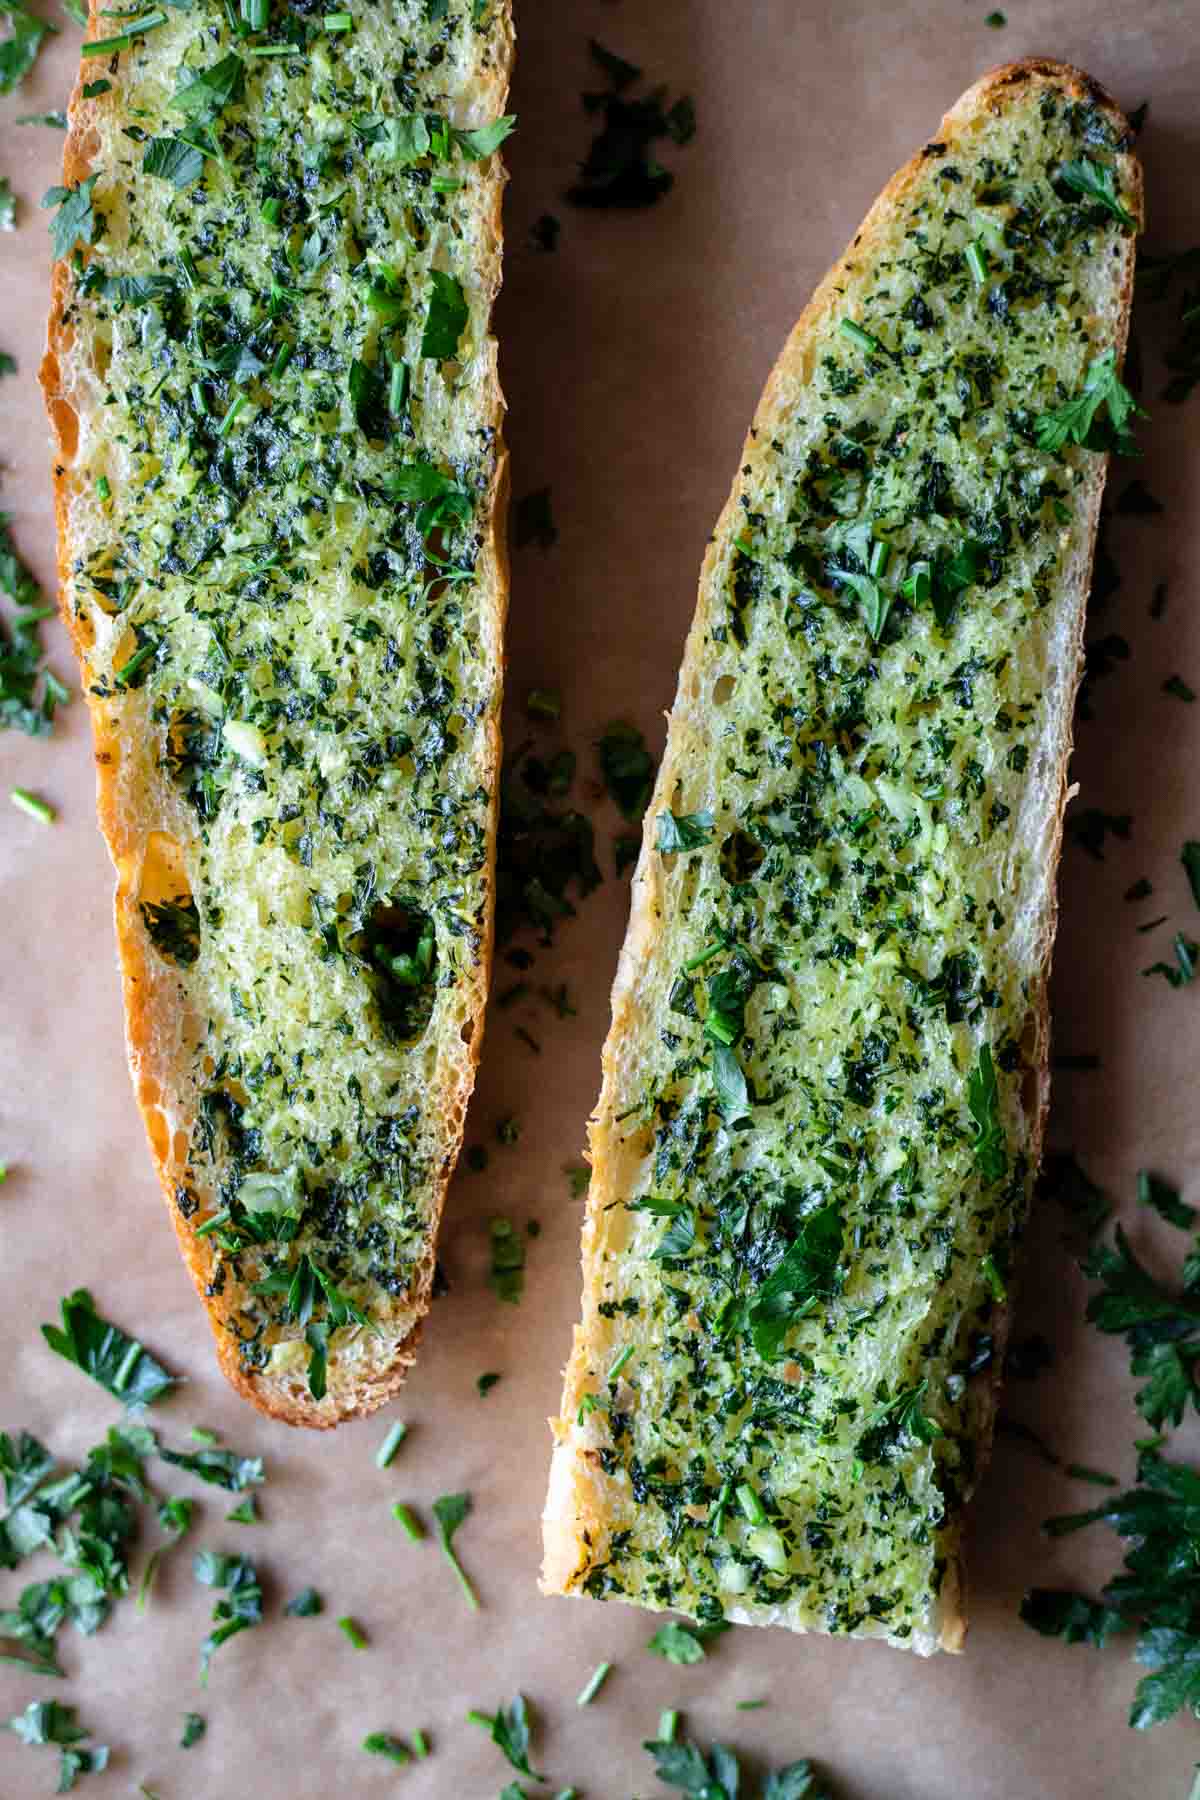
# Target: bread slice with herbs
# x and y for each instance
(826, 1077)
(281, 490)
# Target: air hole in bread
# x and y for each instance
(722, 690)
(741, 855)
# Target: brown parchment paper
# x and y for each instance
(632, 359)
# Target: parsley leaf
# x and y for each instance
(450, 1511)
(106, 1353)
(683, 831)
(1161, 1330)
(220, 1468)
(510, 1731)
(76, 219)
(806, 1273)
(485, 139)
(203, 96)
(445, 318)
(239, 1611)
(19, 51)
(48, 1722)
(729, 1084)
(678, 1644)
(1183, 973)
(1076, 422)
(305, 1605)
(875, 603)
(1072, 1617)
(1096, 182)
(983, 1101)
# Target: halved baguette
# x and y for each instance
(827, 1072)
(281, 494)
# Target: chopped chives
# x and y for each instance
(749, 1705)
(123, 39)
(235, 407)
(138, 660)
(283, 357)
(752, 1507)
(381, 1743)
(1098, 1477)
(342, 21)
(399, 1430)
(102, 487)
(355, 1633)
(420, 1744)
(398, 386)
(668, 1725)
(218, 1218)
(976, 260)
(865, 340)
(255, 14)
(880, 557)
(993, 1277)
(705, 955)
(200, 1434)
(620, 1362)
(37, 809)
(273, 50)
(597, 1680)
(404, 1516)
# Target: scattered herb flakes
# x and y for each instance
(450, 1511)
(1097, 1477)
(1090, 827)
(1162, 1198)
(29, 692)
(408, 1521)
(220, 1468)
(545, 232)
(506, 1277)
(510, 1729)
(627, 767)
(245, 1512)
(996, 21)
(578, 1177)
(1176, 686)
(382, 1743)
(239, 1610)
(486, 1382)
(1065, 1181)
(8, 222)
(50, 1723)
(1142, 889)
(625, 853)
(194, 1728)
(106, 1353)
(533, 521)
(1183, 971)
(353, 1632)
(305, 1605)
(1136, 498)
(543, 853)
(619, 170)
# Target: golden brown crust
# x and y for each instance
(574, 1518)
(143, 992)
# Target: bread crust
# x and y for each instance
(574, 1515)
(143, 991)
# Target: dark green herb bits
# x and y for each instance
(289, 592)
(812, 1155)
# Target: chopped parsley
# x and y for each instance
(106, 1353)
(1078, 420)
(510, 1729)
(50, 1723)
(620, 170)
(241, 1607)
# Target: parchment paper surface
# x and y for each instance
(632, 359)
